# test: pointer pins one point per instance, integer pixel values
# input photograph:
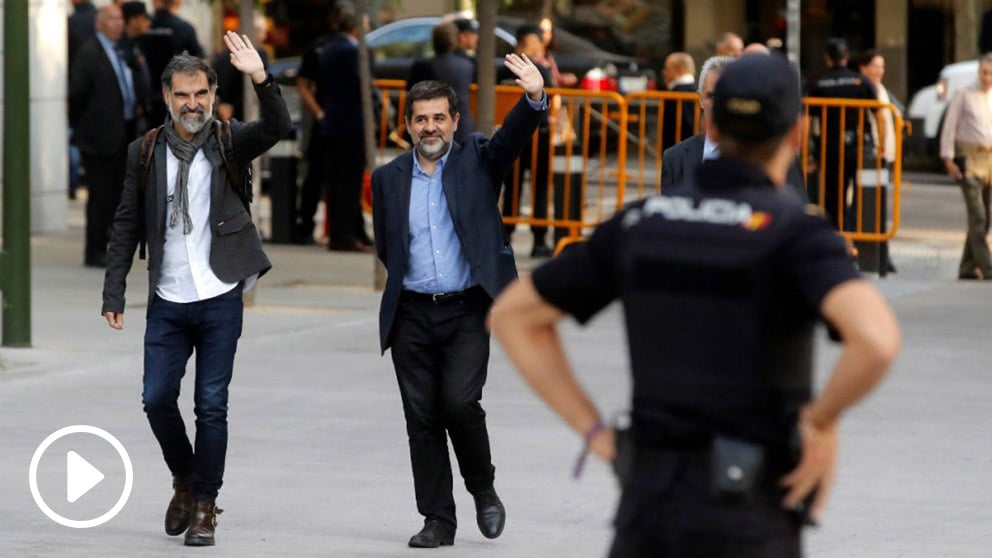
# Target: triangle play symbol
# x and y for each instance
(80, 476)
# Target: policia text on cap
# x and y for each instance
(721, 287)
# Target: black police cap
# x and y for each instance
(837, 49)
(467, 25)
(756, 98)
(133, 9)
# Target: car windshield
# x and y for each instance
(408, 41)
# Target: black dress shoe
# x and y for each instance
(180, 508)
(434, 534)
(489, 513)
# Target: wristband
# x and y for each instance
(268, 80)
(587, 437)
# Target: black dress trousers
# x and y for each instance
(440, 351)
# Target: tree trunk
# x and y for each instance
(368, 117)
(485, 58)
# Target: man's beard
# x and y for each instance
(201, 118)
(429, 151)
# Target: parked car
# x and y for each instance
(396, 45)
(926, 110)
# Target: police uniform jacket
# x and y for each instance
(721, 285)
(840, 82)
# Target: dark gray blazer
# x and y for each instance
(680, 162)
(236, 250)
(472, 178)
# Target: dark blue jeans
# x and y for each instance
(211, 327)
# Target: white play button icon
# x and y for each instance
(80, 476)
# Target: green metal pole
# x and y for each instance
(15, 265)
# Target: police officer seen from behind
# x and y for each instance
(728, 263)
(840, 82)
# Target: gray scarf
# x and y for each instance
(185, 151)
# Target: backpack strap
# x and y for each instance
(146, 152)
(239, 177)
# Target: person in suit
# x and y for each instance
(81, 27)
(203, 251)
(680, 162)
(457, 71)
(679, 75)
(439, 234)
(183, 33)
(102, 116)
(339, 93)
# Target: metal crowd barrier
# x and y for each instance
(605, 150)
(845, 140)
(647, 112)
(584, 129)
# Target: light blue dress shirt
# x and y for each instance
(710, 149)
(437, 264)
(125, 79)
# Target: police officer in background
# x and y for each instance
(728, 264)
(840, 82)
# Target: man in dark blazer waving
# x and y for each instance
(439, 233)
(202, 252)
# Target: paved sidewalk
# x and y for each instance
(318, 462)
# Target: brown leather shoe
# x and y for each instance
(177, 515)
(202, 524)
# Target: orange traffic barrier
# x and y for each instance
(847, 176)
(600, 141)
(579, 165)
(647, 113)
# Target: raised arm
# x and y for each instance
(254, 138)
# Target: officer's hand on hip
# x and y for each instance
(603, 444)
(528, 76)
(115, 319)
(816, 469)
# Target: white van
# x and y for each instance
(926, 111)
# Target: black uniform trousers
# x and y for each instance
(837, 185)
(668, 511)
(538, 182)
(345, 167)
(441, 354)
(312, 185)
